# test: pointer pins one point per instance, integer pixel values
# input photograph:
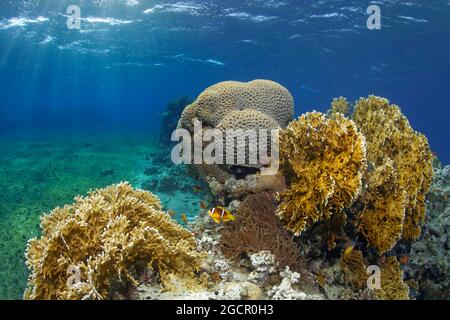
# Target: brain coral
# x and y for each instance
(213, 104)
(390, 136)
(258, 104)
(325, 159)
(248, 119)
(105, 238)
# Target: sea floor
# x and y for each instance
(40, 171)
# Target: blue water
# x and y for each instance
(131, 57)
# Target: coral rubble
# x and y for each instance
(103, 239)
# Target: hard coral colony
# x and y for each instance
(358, 177)
(108, 237)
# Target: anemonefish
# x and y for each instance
(220, 214)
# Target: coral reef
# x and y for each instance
(259, 104)
(219, 100)
(381, 220)
(286, 291)
(107, 236)
(356, 186)
(339, 105)
(390, 136)
(257, 228)
(264, 264)
(325, 160)
(429, 257)
(392, 285)
(238, 189)
(354, 267)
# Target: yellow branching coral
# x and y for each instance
(392, 285)
(354, 267)
(339, 105)
(381, 221)
(325, 159)
(390, 136)
(102, 240)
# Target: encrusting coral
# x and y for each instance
(102, 240)
(325, 159)
(257, 228)
(390, 137)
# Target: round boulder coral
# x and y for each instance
(248, 107)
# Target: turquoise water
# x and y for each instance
(40, 172)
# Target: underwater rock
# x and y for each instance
(167, 183)
(252, 184)
(171, 178)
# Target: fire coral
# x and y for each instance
(325, 159)
(101, 240)
(391, 142)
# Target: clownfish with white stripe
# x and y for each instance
(220, 214)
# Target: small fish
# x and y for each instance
(184, 218)
(404, 260)
(202, 205)
(197, 188)
(220, 214)
(348, 250)
(171, 213)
